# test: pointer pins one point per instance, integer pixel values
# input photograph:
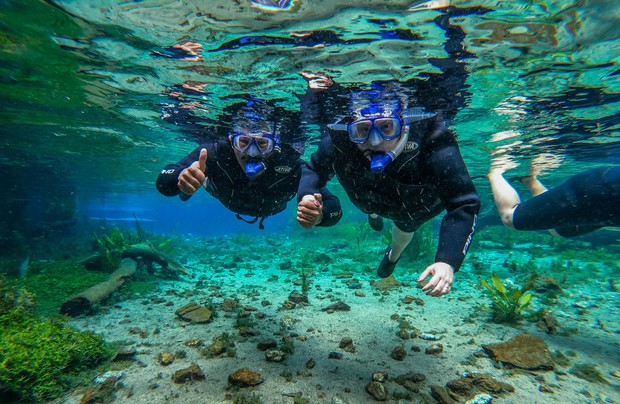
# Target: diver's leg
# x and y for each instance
(534, 185)
(400, 241)
(505, 196)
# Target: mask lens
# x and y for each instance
(241, 142)
(358, 131)
(389, 127)
(264, 144)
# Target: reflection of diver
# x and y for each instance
(319, 38)
(251, 173)
(181, 109)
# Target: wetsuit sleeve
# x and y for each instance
(167, 181)
(458, 195)
(332, 211)
(316, 173)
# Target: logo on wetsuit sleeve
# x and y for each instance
(411, 146)
(283, 169)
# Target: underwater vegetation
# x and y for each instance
(40, 359)
(508, 305)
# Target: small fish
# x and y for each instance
(22, 269)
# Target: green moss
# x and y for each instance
(588, 372)
(247, 399)
(54, 282)
(38, 358)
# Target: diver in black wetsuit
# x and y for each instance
(583, 203)
(251, 173)
(396, 159)
(402, 165)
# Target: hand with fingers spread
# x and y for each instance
(194, 176)
(310, 210)
(441, 281)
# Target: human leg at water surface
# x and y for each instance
(583, 203)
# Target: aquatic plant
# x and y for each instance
(222, 344)
(38, 358)
(110, 249)
(305, 285)
(508, 305)
(422, 242)
(245, 399)
(362, 231)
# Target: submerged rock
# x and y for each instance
(275, 355)
(195, 313)
(434, 349)
(245, 377)
(387, 283)
(377, 390)
(399, 353)
(165, 358)
(522, 351)
(410, 381)
(346, 344)
(188, 374)
(267, 344)
(338, 306)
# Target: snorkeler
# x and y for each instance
(402, 164)
(251, 172)
(583, 203)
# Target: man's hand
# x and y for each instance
(310, 210)
(441, 281)
(317, 81)
(193, 176)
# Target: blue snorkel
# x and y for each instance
(379, 161)
(254, 168)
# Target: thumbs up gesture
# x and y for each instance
(193, 176)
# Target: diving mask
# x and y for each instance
(253, 144)
(389, 128)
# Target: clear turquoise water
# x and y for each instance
(82, 139)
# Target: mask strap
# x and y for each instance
(338, 126)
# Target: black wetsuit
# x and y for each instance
(583, 203)
(428, 177)
(263, 196)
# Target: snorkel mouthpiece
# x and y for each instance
(254, 168)
(380, 161)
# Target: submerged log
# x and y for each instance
(148, 253)
(84, 302)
